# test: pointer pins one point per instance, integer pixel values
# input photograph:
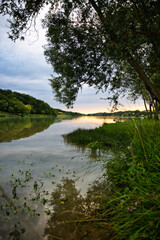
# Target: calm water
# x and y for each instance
(33, 160)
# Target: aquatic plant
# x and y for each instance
(131, 198)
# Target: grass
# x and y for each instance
(131, 198)
(16, 115)
(59, 116)
(116, 135)
(6, 114)
(65, 116)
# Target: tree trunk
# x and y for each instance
(150, 110)
(148, 84)
(156, 110)
(145, 106)
(138, 69)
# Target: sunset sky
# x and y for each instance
(23, 69)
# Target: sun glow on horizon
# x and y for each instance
(88, 110)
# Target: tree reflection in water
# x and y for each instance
(73, 216)
(17, 233)
(17, 128)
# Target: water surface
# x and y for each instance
(36, 147)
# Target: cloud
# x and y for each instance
(26, 55)
(23, 68)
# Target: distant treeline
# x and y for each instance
(62, 112)
(135, 113)
(17, 103)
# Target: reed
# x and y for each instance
(131, 199)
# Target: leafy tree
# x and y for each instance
(11, 110)
(137, 89)
(28, 107)
(102, 43)
(18, 106)
(3, 105)
(15, 102)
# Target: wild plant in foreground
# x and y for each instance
(133, 205)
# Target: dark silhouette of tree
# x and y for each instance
(102, 43)
(73, 215)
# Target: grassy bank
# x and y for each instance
(6, 114)
(11, 115)
(59, 116)
(130, 200)
(66, 116)
(116, 135)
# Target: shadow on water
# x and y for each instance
(72, 216)
(13, 129)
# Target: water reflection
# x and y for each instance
(47, 153)
(13, 129)
(20, 217)
(73, 216)
(95, 120)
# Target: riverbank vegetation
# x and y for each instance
(13, 104)
(130, 199)
(114, 47)
(128, 113)
(18, 128)
(18, 103)
(123, 204)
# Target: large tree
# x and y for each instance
(102, 43)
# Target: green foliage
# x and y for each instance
(3, 105)
(10, 109)
(22, 13)
(63, 114)
(129, 113)
(125, 206)
(16, 128)
(131, 196)
(28, 107)
(14, 102)
(109, 135)
(134, 182)
(20, 202)
(105, 44)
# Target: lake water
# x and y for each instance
(33, 159)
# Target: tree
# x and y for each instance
(71, 211)
(22, 103)
(11, 110)
(137, 89)
(95, 42)
(28, 108)
(18, 106)
(3, 105)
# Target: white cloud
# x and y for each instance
(23, 68)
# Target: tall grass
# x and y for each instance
(134, 178)
(108, 135)
(131, 201)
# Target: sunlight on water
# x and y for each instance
(95, 121)
(33, 160)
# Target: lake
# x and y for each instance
(33, 159)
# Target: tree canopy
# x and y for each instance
(108, 44)
(14, 102)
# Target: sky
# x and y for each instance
(23, 69)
